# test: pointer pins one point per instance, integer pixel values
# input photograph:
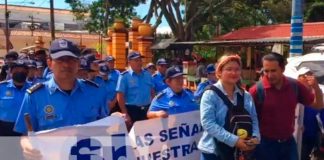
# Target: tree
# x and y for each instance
(102, 12)
(315, 13)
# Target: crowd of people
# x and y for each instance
(68, 86)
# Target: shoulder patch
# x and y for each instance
(158, 96)
(124, 72)
(92, 83)
(34, 88)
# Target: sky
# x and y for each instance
(141, 9)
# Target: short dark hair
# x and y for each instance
(273, 56)
(41, 51)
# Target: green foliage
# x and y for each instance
(315, 12)
(102, 13)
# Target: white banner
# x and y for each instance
(175, 137)
(103, 139)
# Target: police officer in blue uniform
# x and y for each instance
(109, 85)
(11, 96)
(9, 58)
(134, 89)
(158, 78)
(174, 99)
(211, 79)
(113, 73)
(64, 100)
(40, 66)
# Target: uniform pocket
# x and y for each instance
(6, 102)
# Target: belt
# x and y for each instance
(283, 140)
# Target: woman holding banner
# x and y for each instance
(228, 115)
(174, 99)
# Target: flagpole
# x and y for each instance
(7, 26)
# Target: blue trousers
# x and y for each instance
(277, 150)
(207, 156)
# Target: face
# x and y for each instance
(65, 67)
(211, 77)
(231, 73)
(31, 72)
(162, 68)
(272, 71)
(303, 78)
(151, 70)
(111, 64)
(40, 57)
(136, 64)
(176, 84)
(19, 74)
(39, 72)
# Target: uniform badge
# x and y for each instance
(49, 112)
(8, 94)
(171, 103)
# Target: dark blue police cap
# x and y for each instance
(173, 72)
(161, 61)
(19, 63)
(63, 47)
(40, 64)
(133, 55)
(109, 58)
(210, 68)
(31, 63)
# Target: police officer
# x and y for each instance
(134, 89)
(31, 64)
(12, 92)
(113, 73)
(174, 99)
(64, 100)
(150, 67)
(211, 79)
(158, 78)
(109, 85)
(40, 66)
(9, 58)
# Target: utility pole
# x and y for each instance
(52, 19)
(296, 37)
(7, 26)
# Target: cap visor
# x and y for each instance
(177, 75)
(62, 54)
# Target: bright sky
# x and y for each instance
(141, 10)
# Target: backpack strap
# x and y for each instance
(228, 103)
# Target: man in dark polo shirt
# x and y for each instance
(276, 111)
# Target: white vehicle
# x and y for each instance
(314, 61)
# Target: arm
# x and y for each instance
(155, 111)
(252, 111)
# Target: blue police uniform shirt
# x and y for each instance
(201, 88)
(50, 107)
(102, 87)
(10, 100)
(114, 75)
(47, 74)
(173, 103)
(110, 87)
(158, 81)
(135, 87)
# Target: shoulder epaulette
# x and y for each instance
(34, 88)
(91, 83)
(2, 82)
(124, 72)
(158, 96)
